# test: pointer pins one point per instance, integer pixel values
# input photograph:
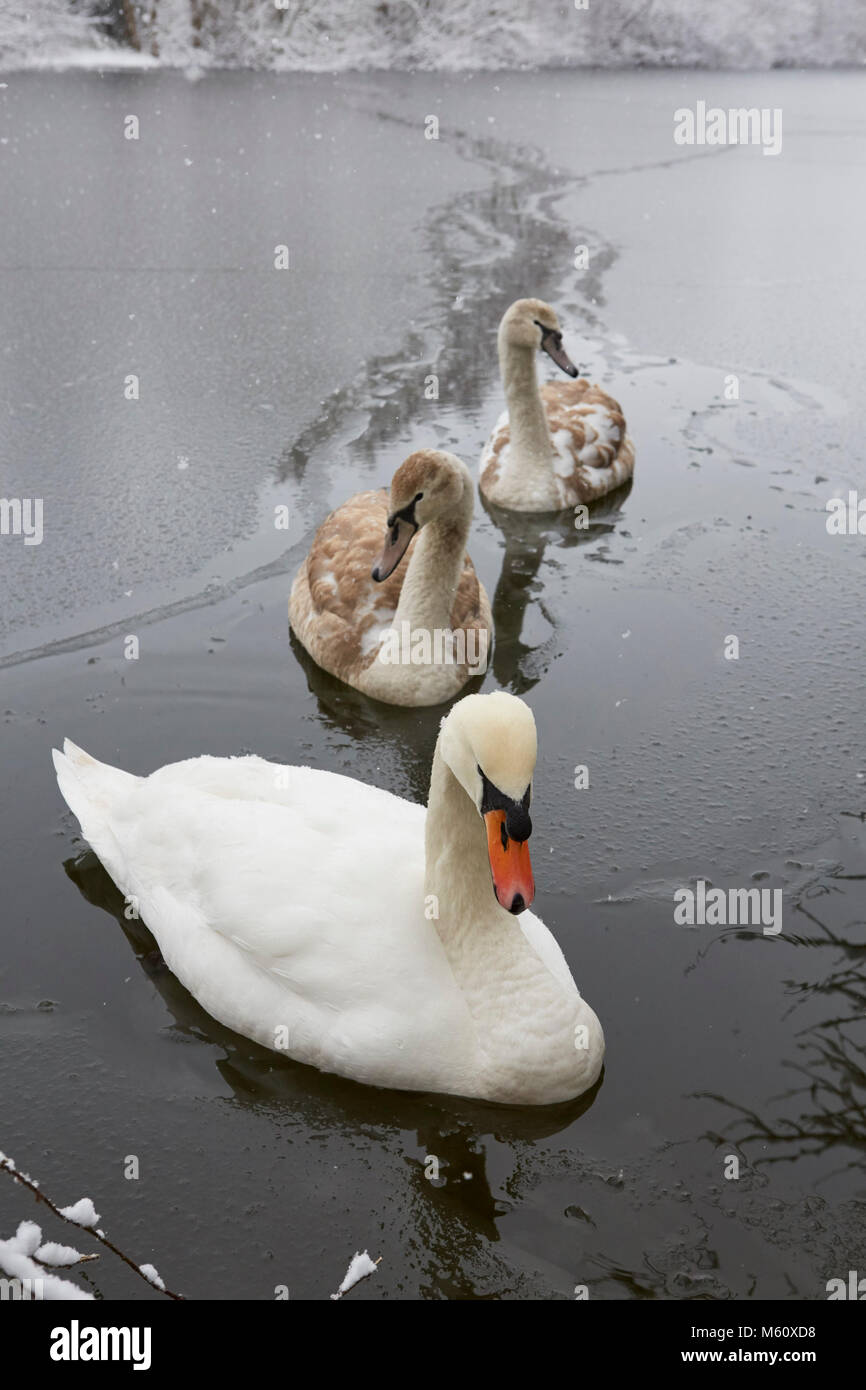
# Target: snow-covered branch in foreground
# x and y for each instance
(25, 1257)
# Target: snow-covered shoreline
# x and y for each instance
(451, 36)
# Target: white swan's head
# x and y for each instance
(530, 323)
(429, 483)
(490, 744)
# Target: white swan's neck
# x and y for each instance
(427, 595)
(506, 986)
(531, 446)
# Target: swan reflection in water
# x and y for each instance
(520, 660)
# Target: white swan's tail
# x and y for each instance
(92, 790)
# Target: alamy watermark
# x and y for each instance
(740, 125)
(25, 1290)
(441, 646)
(853, 1288)
(846, 516)
(22, 516)
(704, 906)
(77, 1343)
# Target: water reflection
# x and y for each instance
(485, 248)
(400, 737)
(825, 1111)
(519, 664)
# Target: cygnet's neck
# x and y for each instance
(430, 586)
(531, 448)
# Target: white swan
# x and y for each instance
(558, 446)
(339, 924)
(408, 634)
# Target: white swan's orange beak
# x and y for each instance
(510, 865)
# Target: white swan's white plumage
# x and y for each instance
(295, 905)
(555, 446)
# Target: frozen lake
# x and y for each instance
(261, 388)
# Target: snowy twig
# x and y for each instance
(24, 1257)
(85, 1209)
(359, 1267)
